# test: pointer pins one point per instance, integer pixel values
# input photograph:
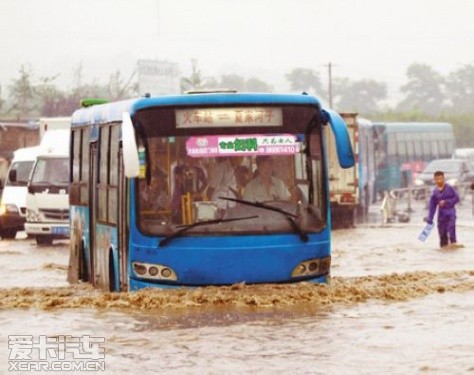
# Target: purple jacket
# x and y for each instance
(446, 213)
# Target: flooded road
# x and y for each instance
(394, 305)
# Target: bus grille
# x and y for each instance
(55, 214)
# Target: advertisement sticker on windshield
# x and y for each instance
(254, 144)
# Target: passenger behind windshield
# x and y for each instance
(189, 177)
(264, 186)
(223, 182)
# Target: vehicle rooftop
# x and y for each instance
(111, 112)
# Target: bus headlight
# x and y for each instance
(312, 267)
(154, 271)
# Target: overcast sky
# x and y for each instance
(266, 38)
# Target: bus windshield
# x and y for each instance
(51, 171)
(231, 181)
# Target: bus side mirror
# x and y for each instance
(12, 175)
(131, 164)
(343, 141)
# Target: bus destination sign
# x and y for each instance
(220, 117)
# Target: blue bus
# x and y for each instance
(402, 150)
(201, 189)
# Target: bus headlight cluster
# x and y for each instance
(312, 267)
(153, 271)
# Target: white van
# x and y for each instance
(47, 202)
(13, 202)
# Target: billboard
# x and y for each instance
(158, 77)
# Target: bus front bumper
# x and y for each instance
(135, 284)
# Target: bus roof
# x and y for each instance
(407, 127)
(111, 112)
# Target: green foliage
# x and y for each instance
(423, 90)
(304, 79)
(197, 81)
(460, 89)
(257, 85)
(43, 98)
(428, 96)
(360, 96)
(22, 93)
(233, 81)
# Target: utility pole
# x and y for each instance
(330, 84)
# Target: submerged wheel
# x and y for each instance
(83, 270)
(112, 287)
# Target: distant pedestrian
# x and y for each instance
(444, 198)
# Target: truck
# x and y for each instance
(47, 200)
(53, 123)
(13, 202)
(15, 135)
(352, 190)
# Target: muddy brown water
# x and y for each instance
(394, 305)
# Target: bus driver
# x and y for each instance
(265, 187)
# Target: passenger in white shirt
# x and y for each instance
(222, 182)
(265, 187)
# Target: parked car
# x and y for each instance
(457, 173)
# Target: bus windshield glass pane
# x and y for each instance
(195, 174)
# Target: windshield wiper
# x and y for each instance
(288, 215)
(185, 228)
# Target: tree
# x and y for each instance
(195, 81)
(460, 89)
(2, 102)
(303, 79)
(81, 90)
(233, 82)
(48, 96)
(424, 90)
(360, 96)
(257, 85)
(22, 93)
(117, 89)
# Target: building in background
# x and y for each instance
(157, 77)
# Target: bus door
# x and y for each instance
(122, 226)
(93, 210)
